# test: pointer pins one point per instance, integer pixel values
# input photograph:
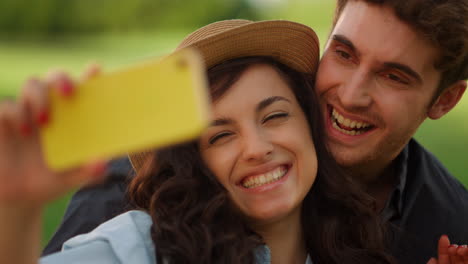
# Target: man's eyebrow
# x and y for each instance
(268, 101)
(405, 69)
(344, 40)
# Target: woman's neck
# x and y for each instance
(285, 239)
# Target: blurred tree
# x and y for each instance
(56, 17)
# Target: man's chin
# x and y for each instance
(349, 161)
(354, 160)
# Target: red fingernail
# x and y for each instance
(43, 118)
(100, 169)
(25, 130)
(453, 245)
(66, 87)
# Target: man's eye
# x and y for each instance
(275, 116)
(217, 137)
(343, 54)
(396, 78)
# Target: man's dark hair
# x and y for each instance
(443, 22)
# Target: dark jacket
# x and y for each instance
(428, 203)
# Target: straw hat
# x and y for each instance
(290, 43)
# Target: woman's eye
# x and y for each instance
(275, 116)
(217, 137)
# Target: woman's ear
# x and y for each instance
(447, 100)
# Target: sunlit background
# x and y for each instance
(39, 35)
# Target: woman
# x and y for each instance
(257, 186)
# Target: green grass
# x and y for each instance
(26, 58)
(52, 217)
(446, 138)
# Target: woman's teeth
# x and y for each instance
(266, 178)
(348, 126)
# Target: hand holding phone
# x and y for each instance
(149, 105)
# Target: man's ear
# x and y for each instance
(447, 100)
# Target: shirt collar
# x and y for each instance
(263, 255)
(394, 206)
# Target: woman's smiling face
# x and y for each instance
(259, 146)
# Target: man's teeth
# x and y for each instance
(262, 179)
(353, 126)
(347, 132)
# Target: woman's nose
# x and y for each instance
(257, 146)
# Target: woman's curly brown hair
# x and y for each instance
(195, 222)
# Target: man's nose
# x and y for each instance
(257, 146)
(355, 92)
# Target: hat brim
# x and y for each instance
(291, 43)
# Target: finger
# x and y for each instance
(57, 184)
(91, 71)
(61, 81)
(17, 119)
(432, 261)
(6, 116)
(14, 119)
(443, 250)
(34, 102)
(25, 125)
(454, 258)
(462, 252)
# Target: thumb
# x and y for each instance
(442, 250)
(88, 174)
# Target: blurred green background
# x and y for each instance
(39, 35)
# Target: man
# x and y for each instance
(387, 67)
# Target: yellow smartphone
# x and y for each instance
(145, 106)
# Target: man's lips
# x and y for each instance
(348, 126)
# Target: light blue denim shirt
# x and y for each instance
(123, 239)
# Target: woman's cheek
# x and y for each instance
(221, 162)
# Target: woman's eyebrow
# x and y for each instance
(221, 122)
(268, 101)
(262, 105)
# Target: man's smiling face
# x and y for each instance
(376, 82)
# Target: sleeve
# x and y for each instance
(98, 252)
(124, 239)
(91, 206)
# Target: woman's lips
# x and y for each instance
(263, 179)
